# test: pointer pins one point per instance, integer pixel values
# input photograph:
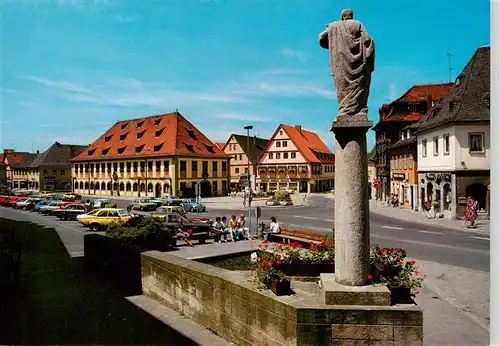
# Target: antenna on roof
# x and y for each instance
(449, 66)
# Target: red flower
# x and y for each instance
(282, 242)
(329, 243)
(265, 241)
(412, 262)
(266, 263)
(279, 262)
(370, 276)
(417, 292)
(312, 248)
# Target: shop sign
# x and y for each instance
(398, 175)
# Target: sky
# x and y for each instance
(71, 69)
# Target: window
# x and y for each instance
(91, 152)
(405, 165)
(192, 134)
(141, 167)
(150, 166)
(166, 166)
(424, 147)
(189, 147)
(194, 166)
(139, 124)
(108, 138)
(214, 166)
(281, 132)
(157, 122)
(410, 162)
(446, 144)
(115, 166)
(63, 172)
(241, 157)
(278, 156)
(105, 151)
(224, 166)
(122, 137)
(278, 144)
(158, 166)
(140, 134)
(103, 167)
(476, 142)
(128, 167)
(210, 149)
(121, 150)
(135, 166)
(124, 126)
(246, 170)
(122, 166)
(412, 108)
(293, 155)
(158, 147)
(109, 166)
(182, 166)
(435, 142)
(158, 133)
(139, 148)
(204, 167)
(284, 144)
(270, 156)
(97, 166)
(237, 170)
(285, 155)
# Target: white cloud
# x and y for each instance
(295, 54)
(61, 85)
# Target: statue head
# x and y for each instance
(347, 14)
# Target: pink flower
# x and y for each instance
(412, 262)
(370, 276)
(265, 241)
(279, 262)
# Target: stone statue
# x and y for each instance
(352, 60)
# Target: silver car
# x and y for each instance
(47, 209)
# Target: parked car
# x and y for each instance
(103, 217)
(71, 197)
(90, 213)
(27, 204)
(49, 208)
(13, 200)
(100, 202)
(158, 201)
(171, 200)
(42, 203)
(194, 207)
(162, 211)
(4, 200)
(71, 211)
(142, 204)
(21, 202)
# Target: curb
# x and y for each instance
(458, 228)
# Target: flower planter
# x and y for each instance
(306, 269)
(400, 295)
(280, 287)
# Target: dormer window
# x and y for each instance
(108, 138)
(139, 148)
(158, 133)
(105, 151)
(124, 126)
(210, 148)
(139, 124)
(191, 134)
(121, 150)
(189, 147)
(91, 152)
(122, 137)
(158, 147)
(140, 134)
(157, 122)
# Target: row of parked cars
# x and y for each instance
(150, 204)
(98, 213)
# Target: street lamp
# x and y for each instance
(248, 128)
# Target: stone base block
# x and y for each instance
(336, 294)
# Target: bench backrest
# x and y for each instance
(306, 234)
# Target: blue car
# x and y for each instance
(193, 206)
(41, 204)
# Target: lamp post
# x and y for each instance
(248, 128)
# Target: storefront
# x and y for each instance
(439, 188)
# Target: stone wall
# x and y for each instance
(225, 302)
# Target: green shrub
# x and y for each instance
(282, 196)
(148, 233)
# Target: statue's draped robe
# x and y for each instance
(352, 59)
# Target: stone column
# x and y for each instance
(352, 220)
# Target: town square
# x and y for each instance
(247, 173)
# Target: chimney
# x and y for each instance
(299, 128)
(38, 152)
(429, 102)
(58, 144)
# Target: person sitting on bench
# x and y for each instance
(184, 234)
(219, 230)
(244, 230)
(233, 228)
(274, 227)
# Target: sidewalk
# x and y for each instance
(483, 226)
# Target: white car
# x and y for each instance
(98, 203)
(21, 202)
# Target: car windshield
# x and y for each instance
(22, 199)
(122, 212)
(54, 204)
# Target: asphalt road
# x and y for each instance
(424, 242)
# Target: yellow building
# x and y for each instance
(153, 156)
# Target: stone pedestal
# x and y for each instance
(352, 215)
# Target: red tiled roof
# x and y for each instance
(158, 135)
(310, 145)
(221, 145)
(14, 158)
(420, 92)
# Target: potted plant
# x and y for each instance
(269, 276)
(390, 267)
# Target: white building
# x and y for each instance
(454, 142)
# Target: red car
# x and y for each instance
(4, 200)
(13, 200)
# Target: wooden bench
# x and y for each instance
(302, 237)
(200, 236)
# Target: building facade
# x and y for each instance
(454, 143)
(14, 179)
(372, 175)
(296, 159)
(153, 156)
(403, 166)
(243, 157)
(393, 117)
